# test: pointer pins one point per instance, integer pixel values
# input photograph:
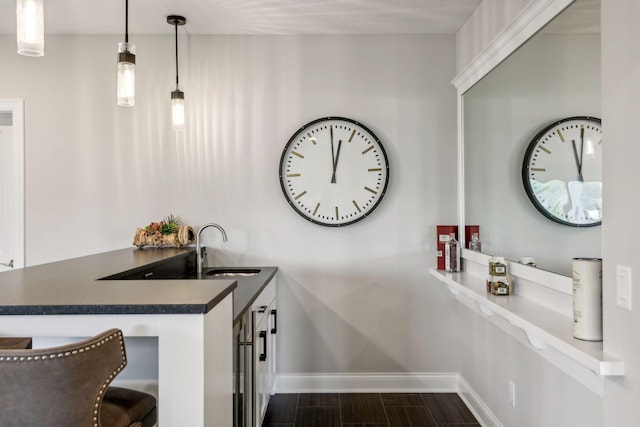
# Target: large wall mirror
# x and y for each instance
(554, 75)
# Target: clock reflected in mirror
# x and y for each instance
(334, 171)
(562, 171)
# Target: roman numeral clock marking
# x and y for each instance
(337, 179)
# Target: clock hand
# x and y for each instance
(335, 163)
(578, 162)
(333, 158)
(581, 150)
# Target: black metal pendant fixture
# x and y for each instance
(177, 96)
(126, 66)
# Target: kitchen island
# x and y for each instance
(192, 321)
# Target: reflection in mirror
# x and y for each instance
(553, 76)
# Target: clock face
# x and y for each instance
(334, 171)
(562, 171)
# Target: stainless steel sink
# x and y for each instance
(232, 272)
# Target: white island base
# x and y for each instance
(195, 369)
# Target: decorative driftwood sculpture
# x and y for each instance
(164, 233)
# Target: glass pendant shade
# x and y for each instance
(30, 27)
(126, 74)
(177, 109)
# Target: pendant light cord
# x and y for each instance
(175, 24)
(126, 21)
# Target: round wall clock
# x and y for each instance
(334, 171)
(562, 171)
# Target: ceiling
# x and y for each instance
(250, 16)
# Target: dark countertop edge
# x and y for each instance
(98, 309)
(270, 276)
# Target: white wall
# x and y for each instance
(545, 395)
(537, 85)
(620, 111)
(620, 92)
(490, 358)
(354, 299)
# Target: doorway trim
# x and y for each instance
(16, 107)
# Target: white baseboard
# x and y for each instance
(366, 383)
(477, 407)
(388, 383)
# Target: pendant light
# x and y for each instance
(30, 26)
(177, 96)
(126, 66)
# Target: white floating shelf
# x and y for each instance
(542, 326)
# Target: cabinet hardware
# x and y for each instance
(263, 355)
(274, 313)
(262, 309)
(7, 264)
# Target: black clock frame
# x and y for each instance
(292, 139)
(525, 171)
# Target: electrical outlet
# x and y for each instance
(512, 393)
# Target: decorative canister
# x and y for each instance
(587, 299)
(497, 266)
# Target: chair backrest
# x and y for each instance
(59, 386)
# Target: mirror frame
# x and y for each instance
(535, 15)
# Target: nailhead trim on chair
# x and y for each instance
(75, 352)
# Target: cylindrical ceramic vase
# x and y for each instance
(587, 299)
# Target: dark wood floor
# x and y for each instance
(368, 410)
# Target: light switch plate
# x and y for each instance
(623, 286)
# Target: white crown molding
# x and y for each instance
(535, 15)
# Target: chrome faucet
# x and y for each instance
(199, 253)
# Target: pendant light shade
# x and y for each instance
(126, 74)
(30, 27)
(126, 89)
(177, 109)
(177, 96)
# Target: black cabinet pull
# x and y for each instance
(262, 309)
(263, 355)
(274, 313)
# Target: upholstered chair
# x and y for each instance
(69, 386)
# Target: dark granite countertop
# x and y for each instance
(71, 287)
(248, 289)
